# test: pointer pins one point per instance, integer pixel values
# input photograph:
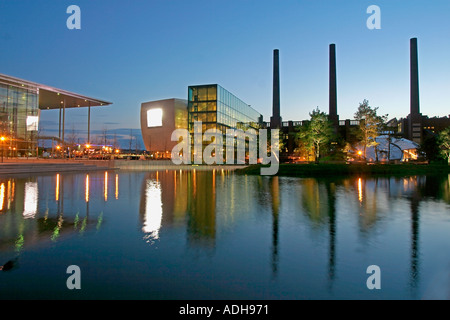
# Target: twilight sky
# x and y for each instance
(130, 52)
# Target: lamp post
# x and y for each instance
(2, 139)
(88, 147)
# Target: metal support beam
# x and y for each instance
(89, 124)
(59, 130)
(63, 122)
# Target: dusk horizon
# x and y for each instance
(217, 158)
(157, 56)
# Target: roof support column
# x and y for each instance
(89, 124)
(63, 122)
(59, 130)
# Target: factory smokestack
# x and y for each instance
(333, 116)
(415, 117)
(275, 120)
(415, 108)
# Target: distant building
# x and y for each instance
(393, 149)
(414, 127)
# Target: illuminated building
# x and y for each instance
(21, 103)
(212, 105)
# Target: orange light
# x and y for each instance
(88, 146)
(2, 138)
(117, 150)
(58, 147)
(360, 152)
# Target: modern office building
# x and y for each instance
(158, 120)
(21, 103)
(219, 109)
(210, 104)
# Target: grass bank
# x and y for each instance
(324, 170)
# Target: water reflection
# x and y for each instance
(282, 223)
(275, 194)
(205, 202)
(32, 209)
(178, 198)
(153, 209)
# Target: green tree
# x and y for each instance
(444, 143)
(371, 125)
(316, 133)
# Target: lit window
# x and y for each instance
(32, 123)
(154, 118)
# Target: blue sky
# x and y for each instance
(129, 52)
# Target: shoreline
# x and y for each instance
(334, 170)
(39, 166)
(51, 166)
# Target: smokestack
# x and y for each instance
(415, 108)
(415, 118)
(333, 116)
(275, 121)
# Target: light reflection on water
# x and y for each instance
(216, 235)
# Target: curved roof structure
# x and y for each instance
(54, 98)
(396, 150)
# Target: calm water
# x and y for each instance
(216, 235)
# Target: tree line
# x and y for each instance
(316, 138)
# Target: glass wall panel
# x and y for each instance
(17, 105)
(212, 93)
(202, 94)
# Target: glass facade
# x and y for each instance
(19, 114)
(217, 108)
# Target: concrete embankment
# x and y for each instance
(154, 165)
(42, 166)
(35, 166)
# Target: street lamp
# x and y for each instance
(2, 139)
(88, 147)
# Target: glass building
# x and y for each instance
(21, 102)
(19, 118)
(219, 109)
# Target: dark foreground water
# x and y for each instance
(216, 235)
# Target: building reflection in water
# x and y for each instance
(201, 209)
(153, 209)
(32, 210)
(318, 200)
(31, 200)
(180, 198)
(373, 196)
(275, 195)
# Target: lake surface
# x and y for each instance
(218, 235)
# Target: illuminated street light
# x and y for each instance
(3, 139)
